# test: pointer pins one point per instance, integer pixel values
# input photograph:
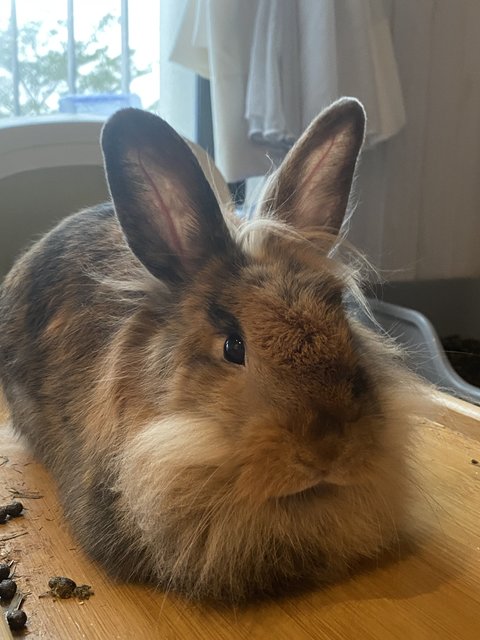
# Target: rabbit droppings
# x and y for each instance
(217, 420)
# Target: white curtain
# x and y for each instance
(274, 64)
(177, 83)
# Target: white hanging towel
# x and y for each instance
(274, 64)
(273, 100)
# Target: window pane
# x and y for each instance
(42, 55)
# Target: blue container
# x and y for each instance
(103, 104)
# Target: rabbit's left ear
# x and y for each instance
(168, 212)
(312, 185)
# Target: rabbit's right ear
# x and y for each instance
(165, 205)
(311, 188)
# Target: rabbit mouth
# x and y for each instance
(321, 489)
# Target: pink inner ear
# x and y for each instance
(313, 170)
(163, 211)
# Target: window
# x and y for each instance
(55, 54)
(113, 47)
(62, 55)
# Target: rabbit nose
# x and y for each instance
(343, 400)
(325, 424)
(335, 419)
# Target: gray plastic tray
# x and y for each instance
(425, 353)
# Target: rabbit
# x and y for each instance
(218, 421)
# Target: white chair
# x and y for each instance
(52, 166)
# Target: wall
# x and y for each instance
(452, 305)
(418, 215)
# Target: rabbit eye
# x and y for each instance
(234, 349)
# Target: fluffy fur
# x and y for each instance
(214, 479)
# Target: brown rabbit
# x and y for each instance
(217, 420)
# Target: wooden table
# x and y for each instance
(430, 591)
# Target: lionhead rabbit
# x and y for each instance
(216, 419)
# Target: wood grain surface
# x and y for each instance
(429, 589)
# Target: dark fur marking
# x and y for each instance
(223, 321)
(361, 383)
(100, 538)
